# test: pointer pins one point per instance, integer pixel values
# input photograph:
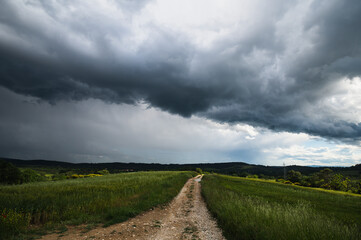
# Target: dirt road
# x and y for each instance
(186, 217)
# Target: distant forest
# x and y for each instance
(231, 168)
(348, 179)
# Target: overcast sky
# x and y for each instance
(187, 81)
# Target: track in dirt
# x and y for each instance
(186, 217)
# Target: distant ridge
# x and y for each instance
(322, 166)
(238, 168)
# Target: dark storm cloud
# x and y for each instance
(267, 76)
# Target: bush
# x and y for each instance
(281, 180)
(29, 175)
(13, 222)
(60, 176)
(93, 175)
(294, 176)
(252, 176)
(243, 174)
(103, 172)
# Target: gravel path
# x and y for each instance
(186, 217)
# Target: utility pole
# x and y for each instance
(284, 171)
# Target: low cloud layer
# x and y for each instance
(285, 66)
(94, 131)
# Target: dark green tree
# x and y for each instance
(294, 176)
(339, 182)
(9, 174)
(29, 175)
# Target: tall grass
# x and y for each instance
(248, 209)
(108, 199)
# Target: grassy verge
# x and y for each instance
(107, 199)
(247, 209)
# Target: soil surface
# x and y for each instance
(186, 217)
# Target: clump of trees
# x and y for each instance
(325, 178)
(9, 174)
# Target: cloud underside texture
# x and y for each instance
(275, 67)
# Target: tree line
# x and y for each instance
(10, 174)
(325, 178)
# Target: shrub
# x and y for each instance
(93, 175)
(252, 176)
(103, 172)
(13, 222)
(243, 174)
(294, 176)
(29, 175)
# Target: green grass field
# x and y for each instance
(248, 209)
(107, 199)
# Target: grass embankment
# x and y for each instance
(247, 209)
(108, 199)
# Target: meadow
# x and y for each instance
(37, 207)
(251, 209)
